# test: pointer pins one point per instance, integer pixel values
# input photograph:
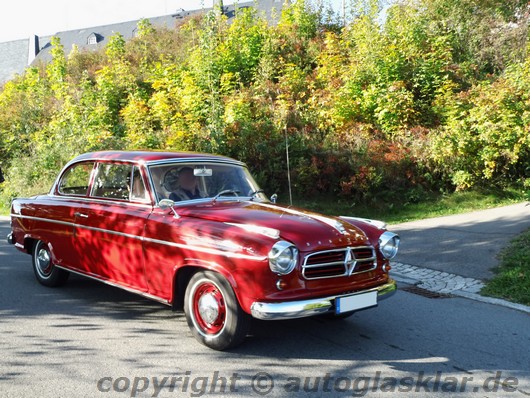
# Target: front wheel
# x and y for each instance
(45, 272)
(213, 313)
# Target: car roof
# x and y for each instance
(149, 156)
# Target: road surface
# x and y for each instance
(87, 339)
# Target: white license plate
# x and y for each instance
(355, 302)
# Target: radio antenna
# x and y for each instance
(288, 168)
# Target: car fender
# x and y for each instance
(183, 273)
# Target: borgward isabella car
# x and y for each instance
(195, 231)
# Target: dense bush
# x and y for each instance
(424, 100)
(486, 136)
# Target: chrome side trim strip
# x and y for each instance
(68, 224)
(311, 307)
(151, 240)
(92, 199)
(108, 231)
(207, 250)
(114, 284)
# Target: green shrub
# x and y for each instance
(371, 111)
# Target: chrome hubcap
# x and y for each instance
(43, 260)
(208, 308)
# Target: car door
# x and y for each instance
(110, 226)
(59, 211)
(163, 247)
(163, 252)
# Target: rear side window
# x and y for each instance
(76, 179)
(112, 181)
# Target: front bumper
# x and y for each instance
(305, 308)
(11, 238)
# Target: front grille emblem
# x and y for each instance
(350, 262)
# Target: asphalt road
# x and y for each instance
(462, 244)
(87, 339)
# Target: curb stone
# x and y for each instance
(443, 282)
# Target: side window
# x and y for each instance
(138, 191)
(76, 179)
(112, 181)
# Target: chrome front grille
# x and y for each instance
(339, 262)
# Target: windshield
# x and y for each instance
(185, 181)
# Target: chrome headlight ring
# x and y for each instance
(283, 257)
(389, 244)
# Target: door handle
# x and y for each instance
(82, 215)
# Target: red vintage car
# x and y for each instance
(194, 231)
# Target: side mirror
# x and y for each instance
(274, 198)
(165, 204)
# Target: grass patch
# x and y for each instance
(512, 280)
(410, 208)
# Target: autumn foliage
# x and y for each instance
(376, 108)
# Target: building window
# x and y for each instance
(92, 39)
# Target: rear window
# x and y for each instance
(76, 179)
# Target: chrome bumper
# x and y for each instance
(11, 238)
(305, 308)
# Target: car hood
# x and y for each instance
(308, 231)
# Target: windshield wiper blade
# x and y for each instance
(224, 192)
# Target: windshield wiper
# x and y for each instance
(224, 192)
(253, 194)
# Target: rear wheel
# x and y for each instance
(213, 313)
(45, 271)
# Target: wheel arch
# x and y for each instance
(184, 273)
(29, 243)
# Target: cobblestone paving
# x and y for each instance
(435, 281)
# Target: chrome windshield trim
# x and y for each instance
(205, 161)
(238, 199)
(194, 160)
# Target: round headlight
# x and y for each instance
(283, 257)
(389, 244)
